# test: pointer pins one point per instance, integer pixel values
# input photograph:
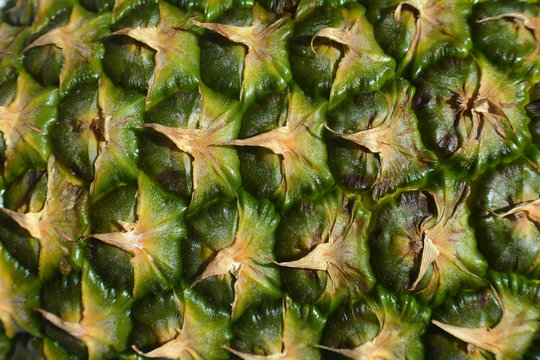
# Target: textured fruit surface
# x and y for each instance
(272, 179)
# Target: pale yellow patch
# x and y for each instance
(255, 37)
(73, 44)
(129, 241)
(10, 303)
(64, 37)
(90, 331)
(229, 260)
(280, 140)
(30, 222)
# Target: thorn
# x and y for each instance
(33, 128)
(86, 238)
(329, 129)
(63, 234)
(124, 31)
(198, 280)
(271, 260)
(118, 144)
(257, 271)
(492, 212)
(137, 350)
(121, 122)
(313, 48)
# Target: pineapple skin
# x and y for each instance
(208, 179)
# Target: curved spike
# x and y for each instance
(314, 260)
(531, 208)
(519, 16)
(481, 337)
(29, 222)
(73, 329)
(333, 34)
(429, 255)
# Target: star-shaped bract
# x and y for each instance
(423, 30)
(153, 240)
(58, 224)
(472, 112)
(512, 335)
(402, 322)
(248, 258)
(394, 137)
(301, 148)
(203, 332)
(431, 251)
(449, 248)
(79, 42)
(266, 65)
(507, 209)
(104, 323)
(493, 114)
(525, 27)
(364, 66)
(24, 124)
(177, 52)
(342, 251)
(215, 169)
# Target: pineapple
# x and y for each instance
(208, 179)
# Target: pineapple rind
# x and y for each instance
(150, 179)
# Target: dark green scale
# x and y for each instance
(111, 262)
(160, 158)
(337, 274)
(506, 217)
(472, 113)
(286, 328)
(420, 33)
(129, 63)
(421, 241)
(258, 163)
(208, 232)
(45, 63)
(222, 59)
(314, 72)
